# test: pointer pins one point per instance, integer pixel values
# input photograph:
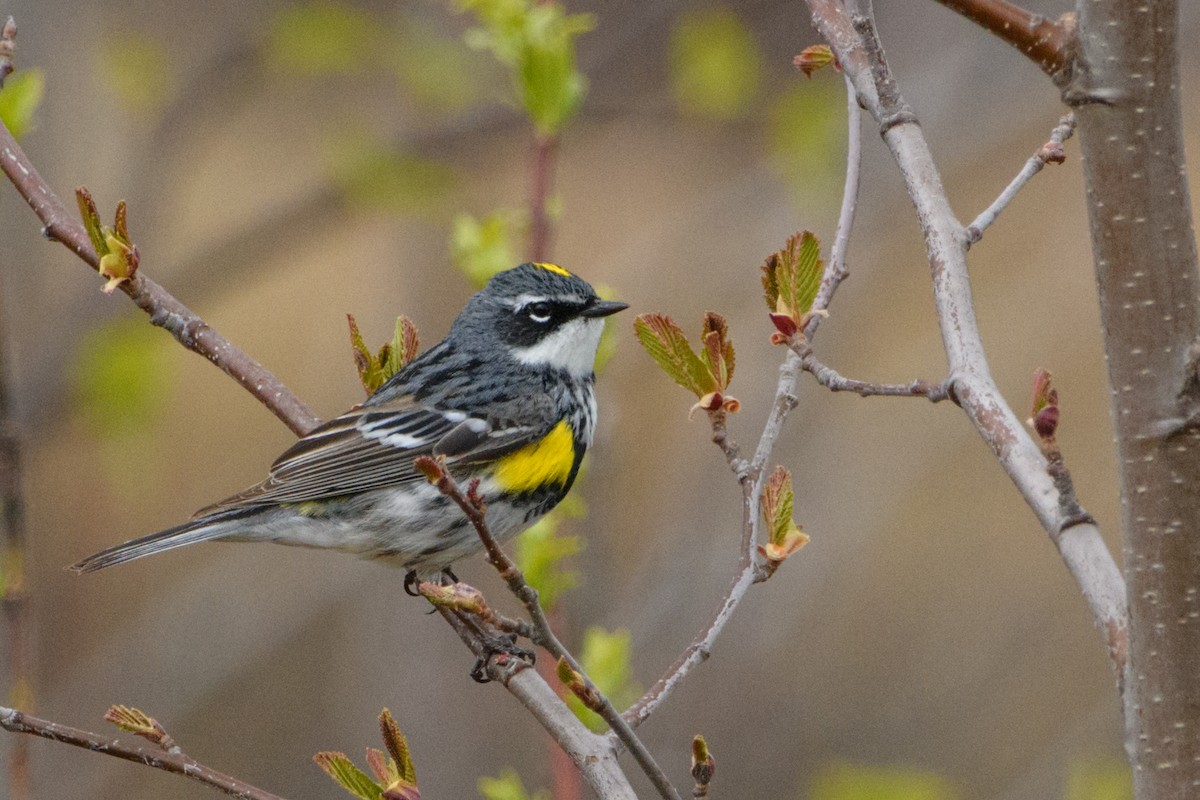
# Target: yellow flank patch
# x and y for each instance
(544, 462)
(555, 268)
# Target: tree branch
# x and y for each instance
(1048, 43)
(1081, 546)
(173, 760)
(165, 311)
(752, 476)
(472, 506)
(1049, 153)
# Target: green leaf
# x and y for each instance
(405, 345)
(131, 720)
(1099, 780)
(856, 782)
(323, 38)
(507, 787)
(20, 98)
(715, 64)
(666, 344)
(606, 658)
(348, 776)
(482, 248)
(138, 71)
(540, 552)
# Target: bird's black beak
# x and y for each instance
(602, 308)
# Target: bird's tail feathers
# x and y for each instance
(204, 529)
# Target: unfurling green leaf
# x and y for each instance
(707, 377)
(397, 746)
(703, 763)
(784, 536)
(118, 255)
(536, 40)
(790, 279)
(130, 720)
(715, 64)
(718, 348)
(19, 100)
(813, 58)
(507, 787)
(375, 370)
(396, 778)
(339, 767)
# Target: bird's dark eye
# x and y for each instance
(539, 312)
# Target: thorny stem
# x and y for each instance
(165, 311)
(1048, 43)
(174, 761)
(472, 506)
(752, 477)
(1080, 544)
(1049, 153)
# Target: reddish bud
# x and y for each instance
(784, 324)
(1045, 422)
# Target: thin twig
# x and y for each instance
(545, 148)
(1048, 43)
(1081, 546)
(165, 311)
(8, 44)
(152, 756)
(472, 506)
(1049, 153)
(752, 478)
(835, 382)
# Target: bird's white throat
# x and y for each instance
(572, 347)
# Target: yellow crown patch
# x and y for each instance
(555, 268)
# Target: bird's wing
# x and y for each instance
(373, 446)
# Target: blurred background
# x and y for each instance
(287, 163)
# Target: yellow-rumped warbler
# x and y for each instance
(506, 398)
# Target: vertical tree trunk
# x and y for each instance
(1125, 89)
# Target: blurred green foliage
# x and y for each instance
(541, 550)
(481, 248)
(606, 658)
(20, 98)
(328, 38)
(372, 175)
(715, 63)
(1099, 780)
(508, 787)
(121, 375)
(843, 781)
(322, 38)
(137, 69)
(806, 136)
(536, 40)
